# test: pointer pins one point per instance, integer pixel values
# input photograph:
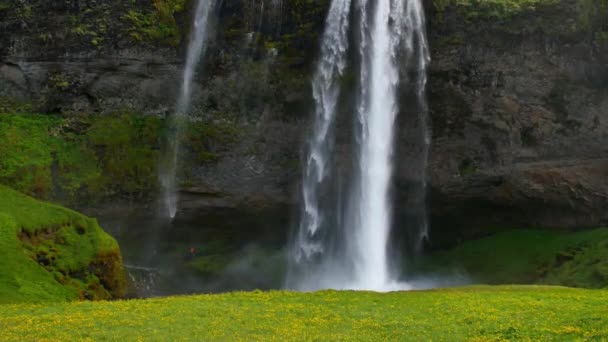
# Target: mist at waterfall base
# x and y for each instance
(235, 249)
(346, 245)
(342, 241)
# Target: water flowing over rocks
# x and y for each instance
(518, 106)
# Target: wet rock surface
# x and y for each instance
(519, 120)
(518, 104)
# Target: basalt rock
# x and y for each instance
(519, 110)
(518, 99)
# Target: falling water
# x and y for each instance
(396, 24)
(377, 118)
(196, 48)
(392, 36)
(326, 90)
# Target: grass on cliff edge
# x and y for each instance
(49, 252)
(479, 313)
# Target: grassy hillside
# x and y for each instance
(577, 259)
(53, 253)
(474, 313)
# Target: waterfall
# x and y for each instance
(325, 90)
(377, 117)
(196, 49)
(392, 43)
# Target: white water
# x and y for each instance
(393, 36)
(373, 210)
(326, 91)
(196, 49)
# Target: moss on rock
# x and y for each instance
(565, 18)
(88, 157)
(93, 158)
(52, 253)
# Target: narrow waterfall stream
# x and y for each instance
(326, 91)
(391, 42)
(196, 49)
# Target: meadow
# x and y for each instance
(477, 313)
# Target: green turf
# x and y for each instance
(480, 313)
(53, 253)
(577, 259)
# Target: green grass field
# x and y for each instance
(479, 313)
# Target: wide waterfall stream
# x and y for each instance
(391, 39)
(342, 240)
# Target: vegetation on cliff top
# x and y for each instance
(50, 253)
(560, 17)
(97, 24)
(476, 313)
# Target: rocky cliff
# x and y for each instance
(519, 98)
(518, 95)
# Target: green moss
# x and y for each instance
(53, 253)
(158, 24)
(497, 9)
(93, 158)
(593, 14)
(97, 24)
(25, 154)
(602, 37)
(127, 147)
(81, 157)
(301, 33)
(558, 17)
(206, 141)
(530, 256)
(59, 81)
(210, 265)
(93, 30)
(12, 105)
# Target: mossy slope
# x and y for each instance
(51, 253)
(577, 259)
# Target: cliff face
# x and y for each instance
(80, 56)
(518, 95)
(519, 102)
